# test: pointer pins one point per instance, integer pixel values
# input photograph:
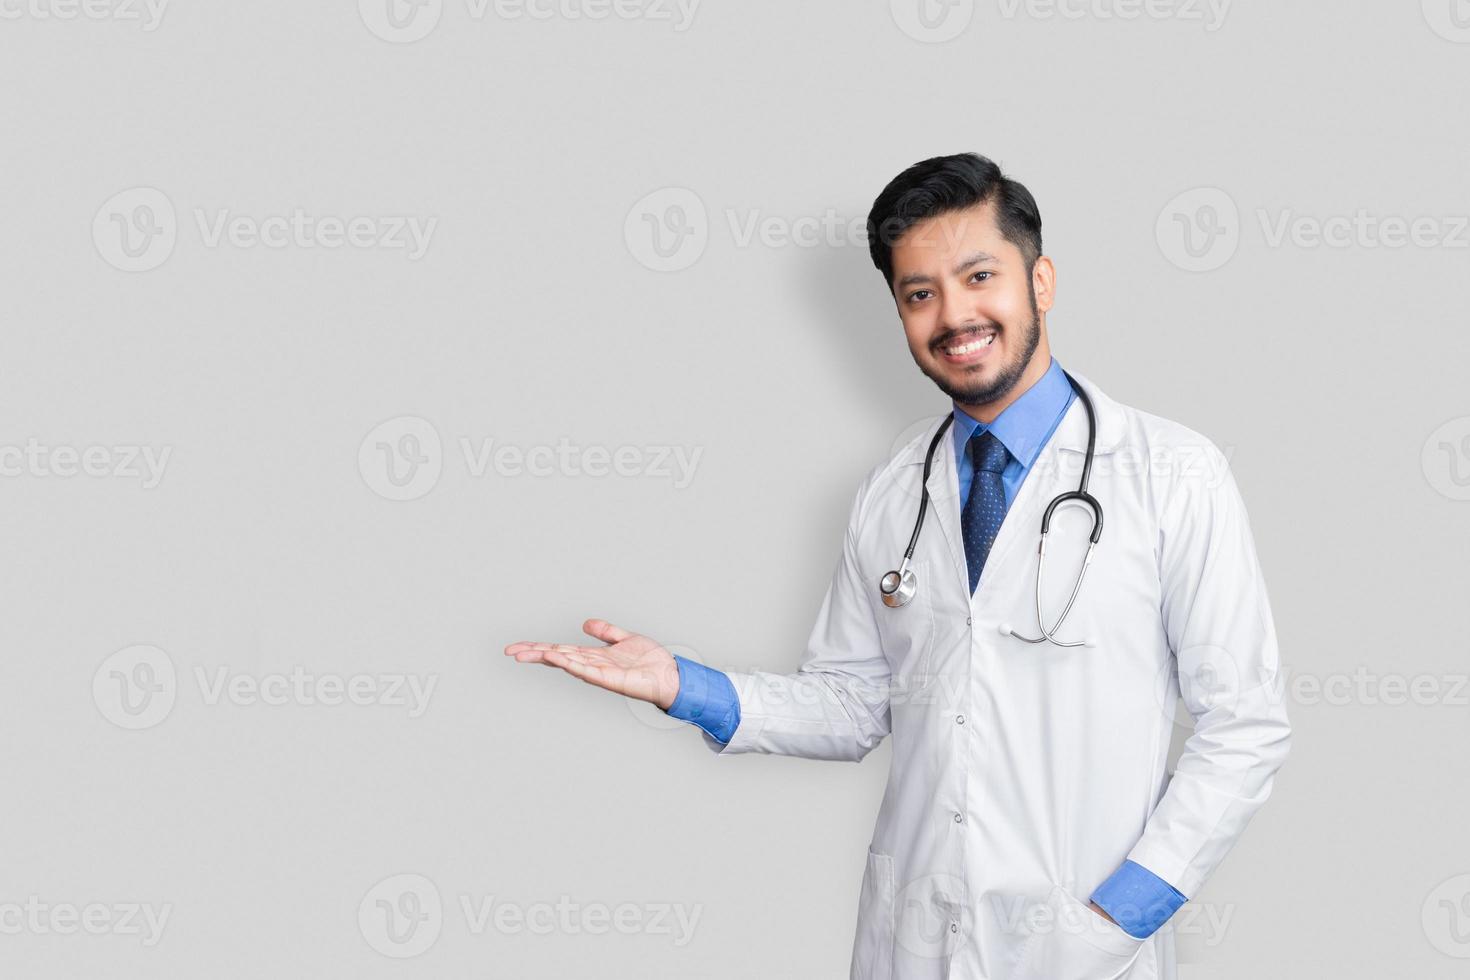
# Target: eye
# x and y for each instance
(982, 272)
(916, 295)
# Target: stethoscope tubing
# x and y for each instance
(892, 583)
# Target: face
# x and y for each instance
(970, 311)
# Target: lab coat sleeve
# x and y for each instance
(836, 705)
(1220, 631)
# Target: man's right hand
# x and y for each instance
(632, 665)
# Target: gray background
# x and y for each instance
(1332, 375)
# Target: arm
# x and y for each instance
(1218, 621)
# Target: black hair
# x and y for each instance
(940, 185)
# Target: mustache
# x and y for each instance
(950, 336)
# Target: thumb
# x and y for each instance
(605, 631)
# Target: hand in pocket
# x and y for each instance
(1072, 942)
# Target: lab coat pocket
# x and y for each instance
(1072, 942)
(872, 957)
(907, 632)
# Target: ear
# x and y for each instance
(1044, 282)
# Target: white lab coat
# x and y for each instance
(1024, 774)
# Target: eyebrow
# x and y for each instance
(974, 258)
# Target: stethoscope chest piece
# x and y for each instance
(897, 588)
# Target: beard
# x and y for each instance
(978, 391)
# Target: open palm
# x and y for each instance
(631, 664)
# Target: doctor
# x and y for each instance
(1031, 829)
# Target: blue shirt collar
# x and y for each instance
(1024, 424)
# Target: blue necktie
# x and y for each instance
(986, 507)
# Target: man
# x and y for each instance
(1030, 829)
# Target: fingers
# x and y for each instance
(605, 631)
(585, 663)
(527, 651)
(578, 667)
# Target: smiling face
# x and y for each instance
(974, 319)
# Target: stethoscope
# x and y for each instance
(899, 586)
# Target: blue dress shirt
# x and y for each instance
(1023, 428)
(1138, 900)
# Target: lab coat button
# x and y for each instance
(960, 720)
(954, 927)
(959, 818)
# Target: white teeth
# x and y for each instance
(971, 347)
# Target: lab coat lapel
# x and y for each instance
(944, 496)
(1045, 479)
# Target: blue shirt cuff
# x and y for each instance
(1138, 900)
(707, 698)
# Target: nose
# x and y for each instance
(957, 310)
